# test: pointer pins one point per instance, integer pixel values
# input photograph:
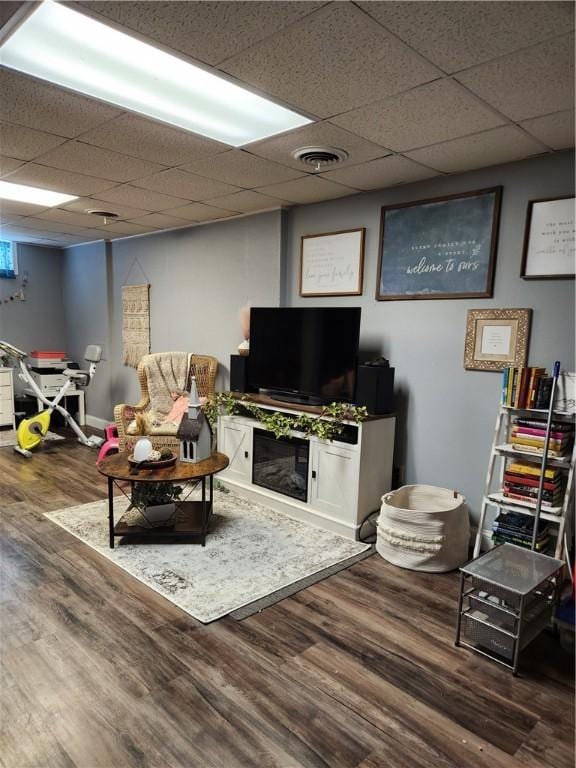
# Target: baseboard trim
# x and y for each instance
(95, 422)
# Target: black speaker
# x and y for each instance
(375, 388)
(239, 373)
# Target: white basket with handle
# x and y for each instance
(424, 528)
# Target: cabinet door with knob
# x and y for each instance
(333, 479)
(235, 440)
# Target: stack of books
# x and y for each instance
(47, 359)
(529, 435)
(521, 482)
(518, 529)
(526, 388)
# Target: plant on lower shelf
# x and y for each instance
(155, 494)
(326, 425)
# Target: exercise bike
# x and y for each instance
(32, 430)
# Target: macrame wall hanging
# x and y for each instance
(135, 320)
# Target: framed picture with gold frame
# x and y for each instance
(496, 339)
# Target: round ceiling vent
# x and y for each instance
(320, 157)
(106, 215)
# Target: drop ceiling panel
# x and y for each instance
(248, 202)
(59, 181)
(10, 208)
(140, 137)
(308, 189)
(199, 212)
(457, 35)
(45, 107)
(434, 112)
(70, 218)
(94, 161)
(9, 164)
(159, 221)
(280, 148)
(23, 235)
(380, 173)
(337, 58)
(556, 131)
(529, 83)
(25, 143)
(208, 31)
(32, 222)
(242, 169)
(146, 199)
(185, 185)
(502, 145)
(115, 228)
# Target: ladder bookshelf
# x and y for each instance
(502, 451)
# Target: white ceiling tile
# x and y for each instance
(280, 148)
(456, 35)
(25, 143)
(124, 228)
(145, 199)
(83, 204)
(10, 219)
(200, 212)
(25, 235)
(59, 181)
(70, 218)
(160, 221)
(501, 145)
(95, 161)
(10, 208)
(330, 62)
(434, 112)
(208, 31)
(248, 201)
(529, 83)
(140, 137)
(242, 169)
(45, 107)
(309, 189)
(381, 173)
(9, 164)
(32, 222)
(556, 131)
(185, 185)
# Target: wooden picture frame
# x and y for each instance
(549, 251)
(496, 339)
(440, 248)
(332, 263)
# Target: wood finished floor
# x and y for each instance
(358, 671)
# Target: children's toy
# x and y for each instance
(32, 430)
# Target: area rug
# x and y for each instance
(251, 552)
(8, 437)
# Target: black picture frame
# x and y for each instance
(439, 248)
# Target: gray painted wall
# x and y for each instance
(38, 322)
(199, 277)
(447, 414)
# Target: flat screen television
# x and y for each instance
(304, 354)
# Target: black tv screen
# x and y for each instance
(306, 354)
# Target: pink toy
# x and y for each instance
(111, 444)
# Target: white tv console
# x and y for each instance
(345, 478)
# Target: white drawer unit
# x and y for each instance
(7, 398)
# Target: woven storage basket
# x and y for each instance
(424, 528)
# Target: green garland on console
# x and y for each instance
(327, 425)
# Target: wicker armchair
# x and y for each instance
(161, 374)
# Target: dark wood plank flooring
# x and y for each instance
(358, 671)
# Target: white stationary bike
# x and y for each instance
(32, 430)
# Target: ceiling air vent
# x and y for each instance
(320, 157)
(106, 215)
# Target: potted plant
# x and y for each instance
(156, 501)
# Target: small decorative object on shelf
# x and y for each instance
(194, 432)
(535, 452)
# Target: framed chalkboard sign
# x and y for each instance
(443, 248)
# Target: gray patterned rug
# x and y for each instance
(8, 437)
(252, 554)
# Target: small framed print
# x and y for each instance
(332, 264)
(549, 240)
(496, 339)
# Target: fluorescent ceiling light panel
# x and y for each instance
(33, 195)
(70, 49)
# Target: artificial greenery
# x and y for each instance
(327, 425)
(154, 494)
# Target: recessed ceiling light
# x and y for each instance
(73, 50)
(33, 195)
